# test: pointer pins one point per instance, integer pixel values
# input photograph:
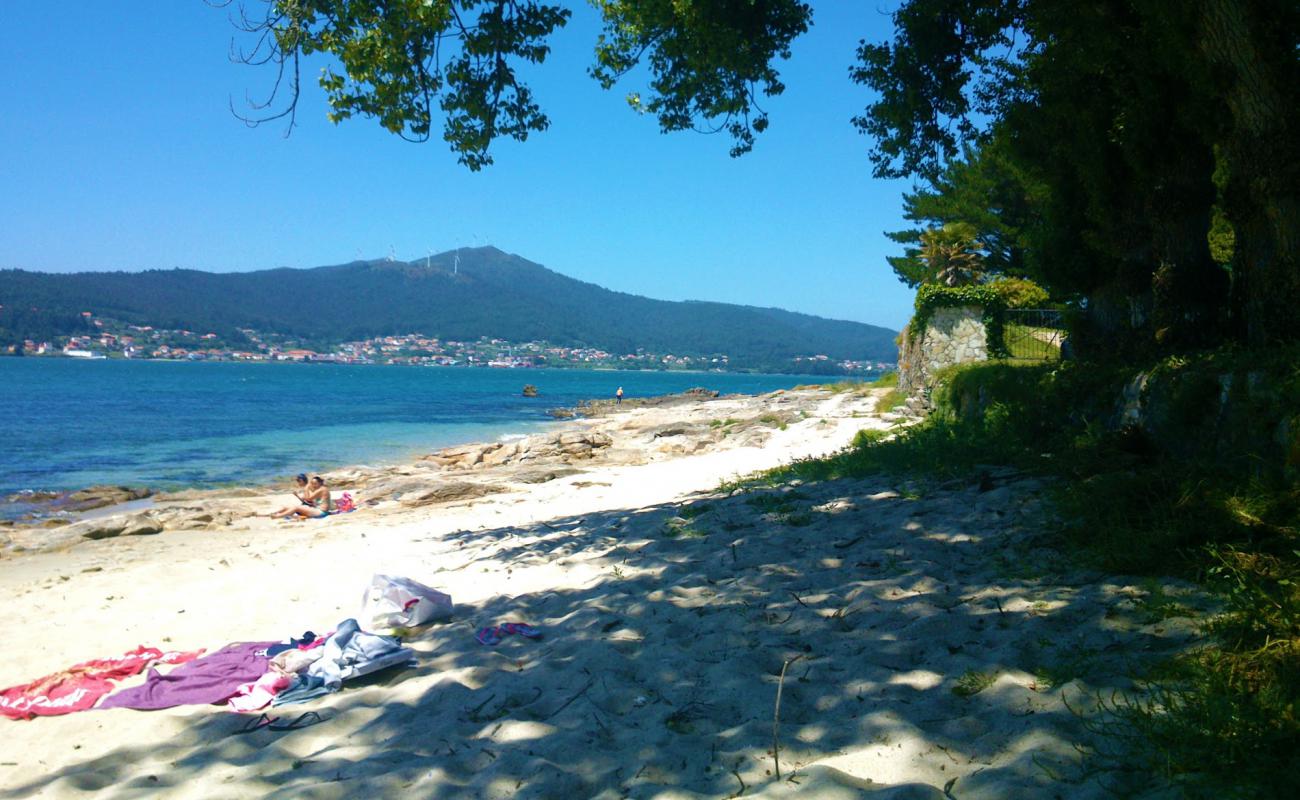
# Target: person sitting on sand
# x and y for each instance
(316, 503)
(300, 493)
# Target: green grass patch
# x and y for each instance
(1031, 343)
(890, 400)
(694, 510)
(972, 683)
(776, 503)
(838, 387)
(677, 528)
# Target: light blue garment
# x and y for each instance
(352, 652)
(300, 691)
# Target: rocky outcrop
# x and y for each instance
(194, 518)
(1248, 416)
(562, 447)
(447, 492)
(100, 497)
(55, 503)
(544, 474)
(602, 408)
(140, 524)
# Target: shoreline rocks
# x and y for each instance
(640, 431)
(47, 503)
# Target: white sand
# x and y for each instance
(659, 667)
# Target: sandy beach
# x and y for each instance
(933, 645)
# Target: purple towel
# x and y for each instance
(213, 678)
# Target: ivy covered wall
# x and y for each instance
(952, 325)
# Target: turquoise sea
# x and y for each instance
(72, 423)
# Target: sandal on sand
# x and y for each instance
(489, 636)
(262, 721)
(267, 722)
(303, 721)
(527, 631)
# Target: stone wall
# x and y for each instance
(952, 336)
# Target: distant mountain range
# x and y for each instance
(458, 295)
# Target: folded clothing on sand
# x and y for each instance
(352, 652)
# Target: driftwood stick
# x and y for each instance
(566, 703)
(776, 718)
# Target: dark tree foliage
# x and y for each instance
(1135, 127)
(1121, 111)
(984, 190)
(709, 61)
(403, 61)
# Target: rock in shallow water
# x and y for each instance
(101, 496)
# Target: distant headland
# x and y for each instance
(470, 307)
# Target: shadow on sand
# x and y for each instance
(927, 641)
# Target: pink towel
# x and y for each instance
(256, 695)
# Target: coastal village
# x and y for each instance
(114, 339)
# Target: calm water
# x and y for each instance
(72, 423)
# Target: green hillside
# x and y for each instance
(489, 293)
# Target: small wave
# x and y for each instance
(511, 437)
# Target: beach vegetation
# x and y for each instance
(682, 720)
(890, 400)
(1206, 494)
(693, 510)
(680, 528)
(1054, 666)
(972, 682)
(778, 502)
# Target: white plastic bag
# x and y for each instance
(395, 602)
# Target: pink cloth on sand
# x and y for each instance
(256, 695)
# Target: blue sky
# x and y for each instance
(120, 152)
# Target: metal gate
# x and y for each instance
(1034, 334)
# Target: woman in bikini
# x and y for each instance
(317, 502)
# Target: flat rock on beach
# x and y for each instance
(933, 644)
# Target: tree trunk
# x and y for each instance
(1252, 42)
(1189, 290)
